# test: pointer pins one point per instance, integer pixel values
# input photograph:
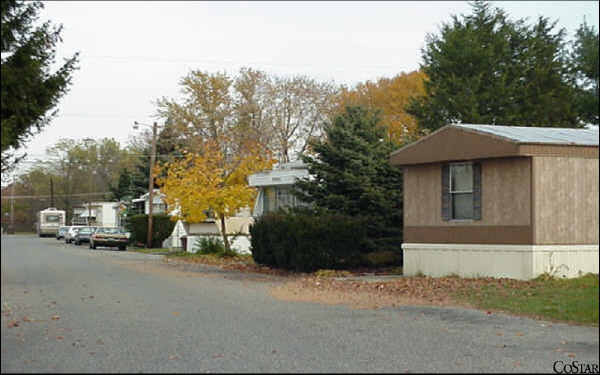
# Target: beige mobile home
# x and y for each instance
(501, 201)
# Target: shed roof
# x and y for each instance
(527, 134)
(467, 142)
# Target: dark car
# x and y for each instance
(110, 237)
(83, 235)
(60, 234)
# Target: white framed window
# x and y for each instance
(461, 191)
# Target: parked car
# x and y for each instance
(127, 233)
(72, 232)
(83, 235)
(110, 237)
(60, 234)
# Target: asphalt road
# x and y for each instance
(80, 310)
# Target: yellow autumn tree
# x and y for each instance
(391, 96)
(212, 181)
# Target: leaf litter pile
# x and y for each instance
(375, 294)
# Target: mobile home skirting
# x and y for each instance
(522, 262)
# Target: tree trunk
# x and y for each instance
(224, 234)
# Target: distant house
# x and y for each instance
(105, 214)
(274, 187)
(273, 193)
(237, 226)
(141, 204)
(501, 201)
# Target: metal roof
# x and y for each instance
(526, 134)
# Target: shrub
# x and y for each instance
(212, 245)
(303, 240)
(209, 245)
(162, 227)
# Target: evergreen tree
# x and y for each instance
(352, 174)
(29, 91)
(485, 69)
(584, 59)
(168, 148)
(122, 191)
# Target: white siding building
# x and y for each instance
(158, 207)
(237, 226)
(104, 214)
(274, 187)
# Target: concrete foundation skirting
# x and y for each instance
(513, 261)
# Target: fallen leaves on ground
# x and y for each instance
(403, 290)
(344, 287)
(242, 264)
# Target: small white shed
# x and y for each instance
(237, 225)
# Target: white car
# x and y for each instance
(72, 232)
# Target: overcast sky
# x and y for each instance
(135, 52)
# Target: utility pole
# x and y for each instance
(88, 142)
(150, 179)
(11, 228)
(151, 185)
(51, 193)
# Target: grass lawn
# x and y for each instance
(570, 300)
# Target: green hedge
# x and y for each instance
(304, 241)
(162, 227)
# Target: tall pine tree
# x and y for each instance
(486, 69)
(30, 90)
(352, 175)
(584, 59)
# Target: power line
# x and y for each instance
(99, 116)
(153, 59)
(55, 195)
(100, 160)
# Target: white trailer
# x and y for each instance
(49, 220)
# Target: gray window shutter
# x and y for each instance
(477, 191)
(446, 206)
